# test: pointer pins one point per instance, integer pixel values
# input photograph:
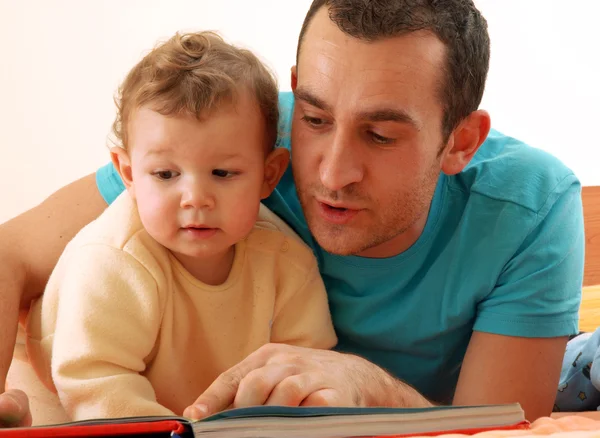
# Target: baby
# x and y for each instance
(177, 280)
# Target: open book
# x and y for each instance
(279, 422)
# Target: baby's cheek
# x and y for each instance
(244, 213)
(155, 213)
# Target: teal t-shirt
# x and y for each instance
(502, 252)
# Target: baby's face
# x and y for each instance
(198, 183)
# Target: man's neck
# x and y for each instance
(398, 244)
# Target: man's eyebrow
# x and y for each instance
(378, 115)
(389, 115)
(308, 97)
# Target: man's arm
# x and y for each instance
(505, 369)
(522, 325)
(30, 245)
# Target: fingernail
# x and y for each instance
(199, 412)
(201, 409)
(196, 412)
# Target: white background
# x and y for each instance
(62, 61)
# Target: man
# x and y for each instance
(453, 259)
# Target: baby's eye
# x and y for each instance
(166, 175)
(221, 173)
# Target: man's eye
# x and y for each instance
(166, 174)
(380, 139)
(221, 173)
(315, 122)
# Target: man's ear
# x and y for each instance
(294, 77)
(275, 165)
(122, 162)
(464, 142)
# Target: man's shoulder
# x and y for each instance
(286, 111)
(507, 170)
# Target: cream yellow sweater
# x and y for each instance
(124, 330)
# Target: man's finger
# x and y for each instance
(328, 397)
(292, 390)
(256, 387)
(217, 397)
(220, 395)
(14, 409)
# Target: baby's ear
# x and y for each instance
(122, 162)
(275, 165)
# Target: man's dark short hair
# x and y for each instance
(457, 23)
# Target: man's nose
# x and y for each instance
(341, 164)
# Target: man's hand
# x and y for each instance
(14, 409)
(286, 375)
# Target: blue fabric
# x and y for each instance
(579, 388)
(109, 183)
(502, 252)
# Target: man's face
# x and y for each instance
(366, 137)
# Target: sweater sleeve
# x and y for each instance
(302, 314)
(107, 322)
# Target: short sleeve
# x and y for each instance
(109, 183)
(539, 291)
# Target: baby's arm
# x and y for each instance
(107, 322)
(302, 314)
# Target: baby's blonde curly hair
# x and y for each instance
(191, 74)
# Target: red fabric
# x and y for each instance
(96, 430)
(169, 426)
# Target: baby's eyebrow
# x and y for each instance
(228, 155)
(157, 151)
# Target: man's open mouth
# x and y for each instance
(334, 208)
(335, 214)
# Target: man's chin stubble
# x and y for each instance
(336, 234)
(338, 240)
